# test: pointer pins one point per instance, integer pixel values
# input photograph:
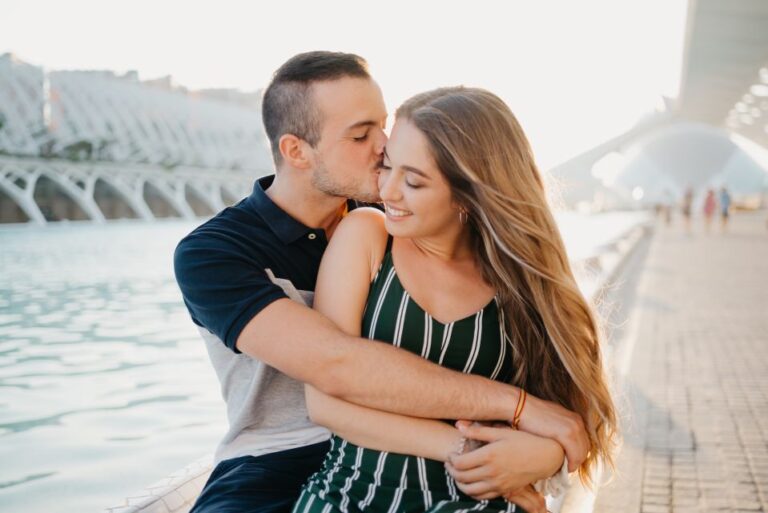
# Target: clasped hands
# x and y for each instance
(506, 464)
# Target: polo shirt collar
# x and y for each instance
(279, 221)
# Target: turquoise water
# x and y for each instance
(105, 386)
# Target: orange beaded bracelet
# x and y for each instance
(519, 409)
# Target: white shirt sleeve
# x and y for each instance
(557, 484)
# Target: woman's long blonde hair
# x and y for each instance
(485, 156)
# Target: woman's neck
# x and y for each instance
(452, 246)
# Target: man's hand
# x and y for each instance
(509, 461)
(550, 420)
(528, 499)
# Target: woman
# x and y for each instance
(710, 204)
(467, 269)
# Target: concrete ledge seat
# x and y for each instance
(173, 494)
(596, 270)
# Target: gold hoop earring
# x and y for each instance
(463, 216)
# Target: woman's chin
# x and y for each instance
(397, 227)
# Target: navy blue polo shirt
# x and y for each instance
(220, 266)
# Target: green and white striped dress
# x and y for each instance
(357, 479)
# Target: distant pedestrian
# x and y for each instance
(725, 206)
(686, 208)
(668, 204)
(710, 204)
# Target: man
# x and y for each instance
(725, 206)
(244, 275)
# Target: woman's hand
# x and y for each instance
(528, 499)
(508, 462)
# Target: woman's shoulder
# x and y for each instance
(362, 231)
(363, 221)
(365, 215)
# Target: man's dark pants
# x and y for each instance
(265, 484)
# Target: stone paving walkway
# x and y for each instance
(696, 390)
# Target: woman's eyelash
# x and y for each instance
(385, 167)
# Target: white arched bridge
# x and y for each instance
(51, 190)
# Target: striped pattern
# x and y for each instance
(357, 479)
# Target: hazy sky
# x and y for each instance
(575, 73)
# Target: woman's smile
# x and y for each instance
(396, 213)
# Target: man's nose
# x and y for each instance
(381, 141)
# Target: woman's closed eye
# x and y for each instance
(385, 167)
(413, 185)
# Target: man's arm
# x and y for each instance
(307, 346)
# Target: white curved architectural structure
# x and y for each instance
(94, 145)
(667, 161)
(143, 192)
(22, 107)
(123, 120)
(724, 85)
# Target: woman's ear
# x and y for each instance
(296, 152)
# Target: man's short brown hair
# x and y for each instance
(288, 106)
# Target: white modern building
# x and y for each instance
(713, 133)
(96, 145)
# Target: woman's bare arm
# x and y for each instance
(350, 262)
(383, 431)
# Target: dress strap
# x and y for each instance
(386, 261)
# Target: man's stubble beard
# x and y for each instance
(323, 182)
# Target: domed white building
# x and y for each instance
(712, 134)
